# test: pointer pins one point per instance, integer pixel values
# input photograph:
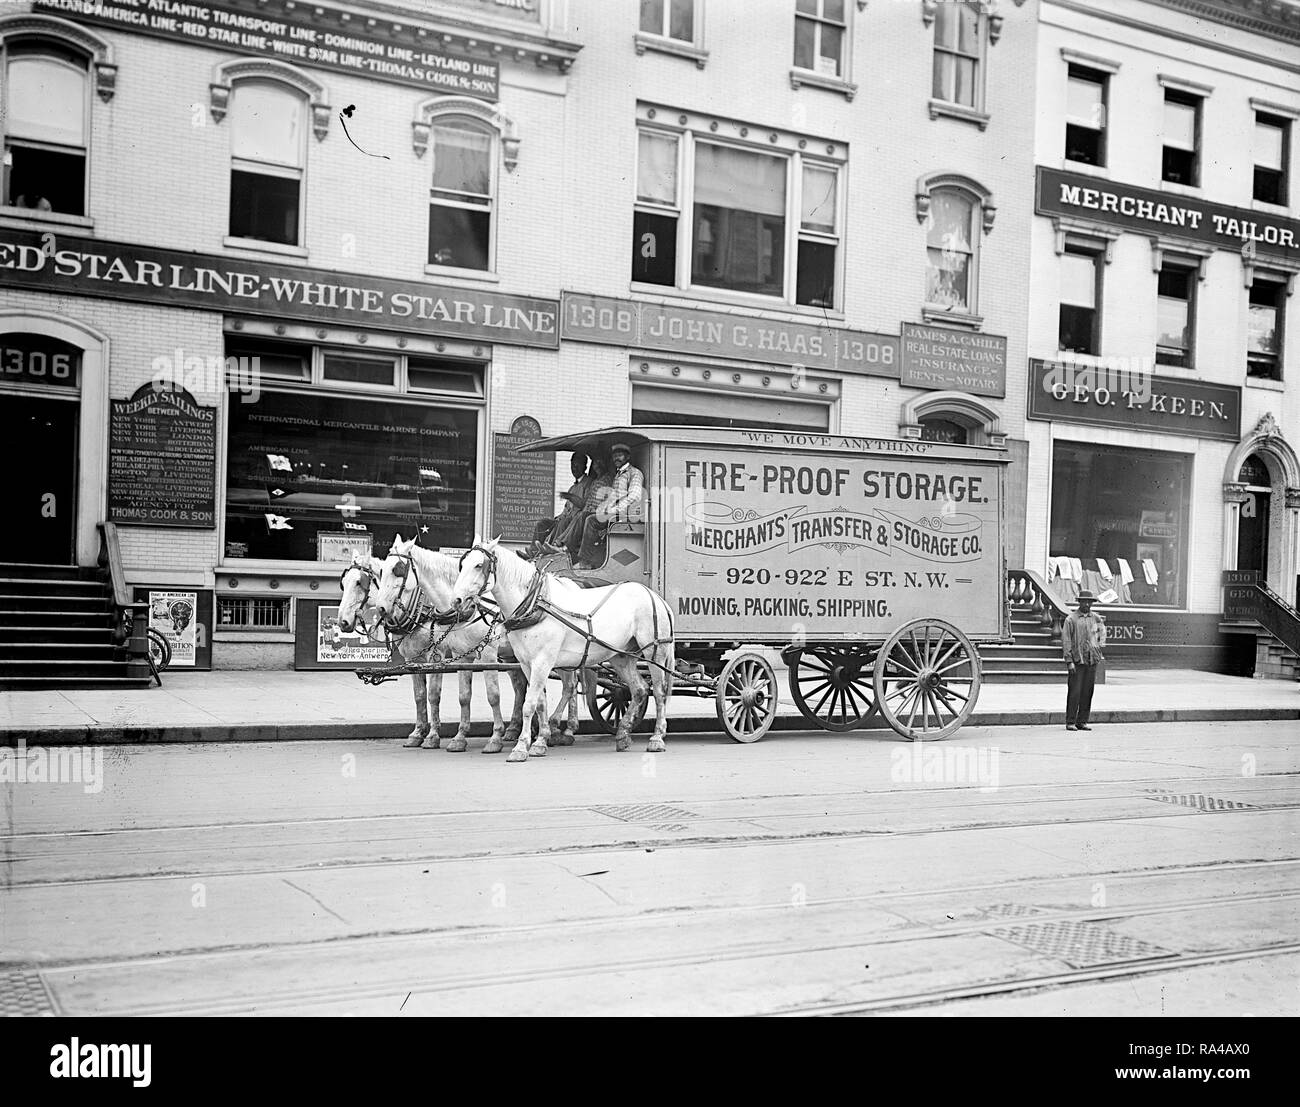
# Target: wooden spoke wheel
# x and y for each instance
(747, 697)
(608, 700)
(927, 679)
(832, 685)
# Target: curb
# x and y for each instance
(702, 724)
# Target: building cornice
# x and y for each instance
(1279, 19)
(446, 28)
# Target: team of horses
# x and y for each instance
(490, 607)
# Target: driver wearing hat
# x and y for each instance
(1082, 637)
(622, 505)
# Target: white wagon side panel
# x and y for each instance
(766, 544)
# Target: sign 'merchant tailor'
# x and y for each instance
(317, 35)
(209, 282)
(1167, 405)
(685, 331)
(1165, 213)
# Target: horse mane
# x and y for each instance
(438, 572)
(513, 569)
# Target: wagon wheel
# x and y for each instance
(927, 679)
(608, 700)
(747, 697)
(832, 685)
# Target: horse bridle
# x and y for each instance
(368, 574)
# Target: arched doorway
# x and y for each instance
(1255, 515)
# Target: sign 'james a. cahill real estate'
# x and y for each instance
(948, 358)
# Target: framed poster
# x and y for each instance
(184, 618)
(338, 546)
(319, 643)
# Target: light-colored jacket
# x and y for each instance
(1082, 638)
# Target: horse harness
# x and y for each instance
(535, 607)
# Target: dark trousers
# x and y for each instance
(1078, 697)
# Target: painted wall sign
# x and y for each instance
(686, 331)
(314, 36)
(1170, 406)
(523, 485)
(210, 282)
(946, 357)
(840, 545)
(162, 459)
(524, 10)
(1152, 212)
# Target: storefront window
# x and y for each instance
(307, 473)
(656, 405)
(1128, 509)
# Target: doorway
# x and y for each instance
(1255, 515)
(40, 434)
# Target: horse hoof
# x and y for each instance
(455, 745)
(517, 755)
(622, 744)
(493, 746)
(656, 745)
(430, 743)
(539, 749)
(562, 739)
(413, 742)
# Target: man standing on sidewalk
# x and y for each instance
(1082, 638)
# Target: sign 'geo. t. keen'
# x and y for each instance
(1166, 405)
(1165, 213)
(210, 282)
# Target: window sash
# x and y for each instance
(1180, 125)
(1079, 280)
(266, 124)
(956, 29)
(46, 101)
(818, 199)
(673, 19)
(462, 160)
(1085, 103)
(657, 174)
(1270, 145)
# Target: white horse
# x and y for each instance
(421, 600)
(555, 622)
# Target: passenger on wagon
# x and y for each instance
(554, 534)
(624, 504)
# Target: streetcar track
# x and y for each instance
(929, 790)
(626, 846)
(888, 902)
(1039, 984)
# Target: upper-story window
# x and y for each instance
(1079, 317)
(1085, 115)
(729, 217)
(1175, 314)
(461, 194)
(673, 19)
(1180, 160)
(1264, 329)
(268, 154)
(46, 105)
(958, 54)
(1272, 147)
(821, 37)
(952, 244)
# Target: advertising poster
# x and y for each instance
(333, 646)
(173, 614)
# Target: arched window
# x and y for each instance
(268, 126)
(47, 103)
(461, 194)
(956, 211)
(936, 429)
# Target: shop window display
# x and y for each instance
(306, 472)
(1120, 524)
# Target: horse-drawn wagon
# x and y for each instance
(873, 567)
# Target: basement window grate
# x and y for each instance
(659, 816)
(1080, 944)
(23, 993)
(1198, 801)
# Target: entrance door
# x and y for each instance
(1252, 532)
(40, 437)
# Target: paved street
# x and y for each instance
(1137, 869)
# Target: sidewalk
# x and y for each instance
(270, 706)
